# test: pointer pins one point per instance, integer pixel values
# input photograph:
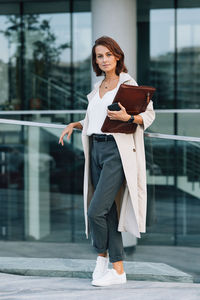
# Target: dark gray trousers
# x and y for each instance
(107, 176)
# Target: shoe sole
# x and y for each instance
(108, 284)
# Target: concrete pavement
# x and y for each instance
(185, 259)
(15, 287)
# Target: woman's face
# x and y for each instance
(105, 59)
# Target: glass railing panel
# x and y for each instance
(40, 185)
(186, 122)
(173, 182)
(163, 123)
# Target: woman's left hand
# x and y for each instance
(120, 115)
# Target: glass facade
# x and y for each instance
(169, 45)
(44, 65)
(168, 58)
(45, 55)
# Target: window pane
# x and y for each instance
(45, 55)
(188, 61)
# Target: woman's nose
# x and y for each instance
(104, 58)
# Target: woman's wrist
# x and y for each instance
(76, 125)
(127, 118)
(138, 120)
(70, 125)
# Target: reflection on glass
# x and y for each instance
(82, 25)
(41, 193)
(164, 123)
(188, 62)
(47, 61)
(9, 62)
(45, 57)
(173, 192)
(40, 185)
(162, 55)
(168, 51)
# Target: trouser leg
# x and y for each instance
(107, 176)
(115, 244)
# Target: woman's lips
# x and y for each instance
(106, 65)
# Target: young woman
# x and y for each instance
(115, 175)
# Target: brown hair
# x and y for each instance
(116, 51)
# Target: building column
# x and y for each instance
(118, 20)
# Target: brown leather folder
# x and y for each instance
(135, 99)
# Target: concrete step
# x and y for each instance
(83, 268)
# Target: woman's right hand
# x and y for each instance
(68, 130)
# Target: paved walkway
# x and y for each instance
(185, 259)
(15, 287)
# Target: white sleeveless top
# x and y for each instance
(97, 111)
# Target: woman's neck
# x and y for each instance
(111, 75)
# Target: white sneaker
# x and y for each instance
(101, 267)
(111, 277)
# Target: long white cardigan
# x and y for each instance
(132, 198)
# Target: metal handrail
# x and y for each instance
(183, 111)
(78, 111)
(60, 126)
(42, 112)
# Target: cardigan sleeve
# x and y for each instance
(82, 122)
(148, 115)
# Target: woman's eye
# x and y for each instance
(109, 54)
